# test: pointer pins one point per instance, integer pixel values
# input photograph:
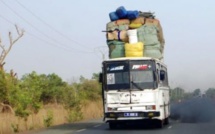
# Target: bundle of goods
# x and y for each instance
(134, 34)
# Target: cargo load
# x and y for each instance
(133, 33)
(117, 35)
(116, 49)
(134, 50)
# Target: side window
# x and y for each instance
(158, 72)
(164, 76)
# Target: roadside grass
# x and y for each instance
(92, 110)
(49, 115)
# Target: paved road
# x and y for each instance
(98, 127)
(193, 110)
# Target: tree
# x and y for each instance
(188, 95)
(47, 88)
(177, 94)
(53, 91)
(7, 82)
(95, 76)
(5, 51)
(197, 92)
(210, 93)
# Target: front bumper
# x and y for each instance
(127, 115)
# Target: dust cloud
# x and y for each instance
(195, 110)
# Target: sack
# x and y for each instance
(116, 49)
(134, 50)
(118, 22)
(159, 29)
(147, 14)
(148, 35)
(120, 27)
(118, 35)
(122, 24)
(154, 53)
(148, 21)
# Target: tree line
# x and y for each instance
(32, 91)
(179, 93)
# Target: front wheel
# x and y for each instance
(112, 125)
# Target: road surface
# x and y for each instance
(98, 127)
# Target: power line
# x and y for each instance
(99, 49)
(7, 20)
(49, 43)
(37, 37)
(48, 25)
(4, 18)
(54, 40)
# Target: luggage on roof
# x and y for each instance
(134, 50)
(116, 49)
(146, 14)
(120, 40)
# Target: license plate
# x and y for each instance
(130, 114)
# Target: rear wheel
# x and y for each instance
(166, 121)
(159, 123)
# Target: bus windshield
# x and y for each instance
(121, 75)
(142, 76)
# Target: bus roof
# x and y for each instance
(136, 58)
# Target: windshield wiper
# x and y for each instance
(135, 84)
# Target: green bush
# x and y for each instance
(15, 128)
(28, 94)
(74, 113)
(48, 121)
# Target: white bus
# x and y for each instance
(135, 89)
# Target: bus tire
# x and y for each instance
(112, 125)
(166, 121)
(160, 123)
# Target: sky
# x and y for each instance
(64, 37)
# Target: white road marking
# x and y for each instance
(169, 127)
(97, 125)
(81, 130)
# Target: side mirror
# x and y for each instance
(100, 77)
(162, 75)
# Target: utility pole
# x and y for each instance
(100, 50)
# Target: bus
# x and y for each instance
(135, 89)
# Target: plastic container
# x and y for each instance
(132, 36)
(113, 16)
(121, 12)
(132, 14)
